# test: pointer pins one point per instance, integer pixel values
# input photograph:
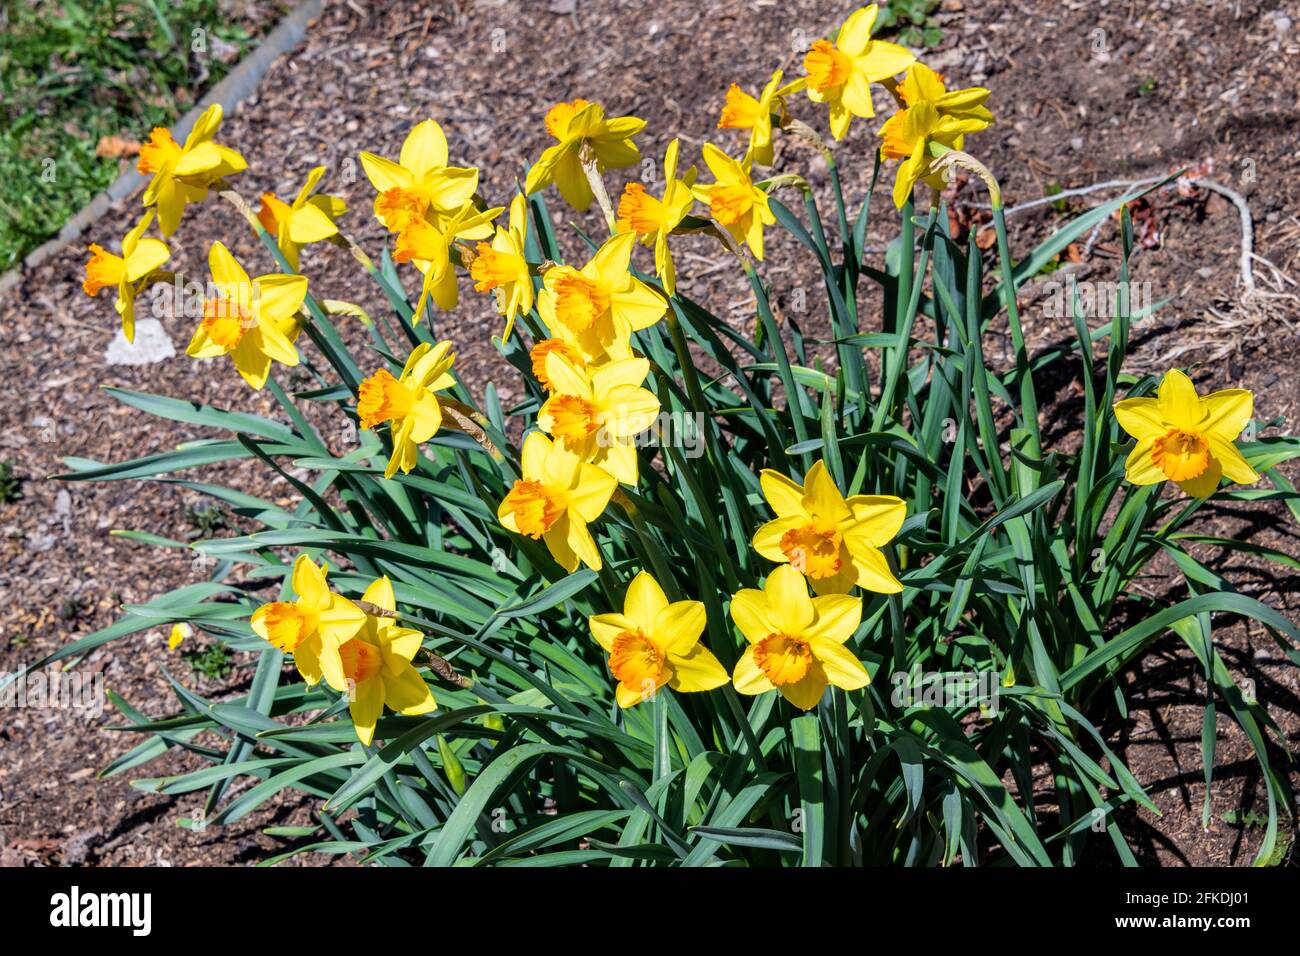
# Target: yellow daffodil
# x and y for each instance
(500, 267)
(577, 124)
(653, 643)
(179, 633)
(796, 643)
(1185, 438)
(734, 201)
(310, 218)
(931, 114)
(840, 74)
(557, 497)
(140, 256)
(545, 347)
(251, 320)
(596, 308)
(420, 185)
(313, 627)
(654, 219)
(754, 114)
(182, 174)
(835, 541)
(428, 247)
(409, 403)
(377, 667)
(596, 413)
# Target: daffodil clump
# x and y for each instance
(677, 584)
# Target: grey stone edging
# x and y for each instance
(238, 85)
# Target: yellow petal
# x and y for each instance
(380, 593)
(644, 600)
(767, 539)
(1140, 417)
(606, 627)
(565, 377)
(341, 620)
(425, 417)
(407, 693)
(384, 174)
(885, 59)
(784, 494)
(874, 573)
(594, 489)
(310, 224)
(532, 459)
(679, 626)
(752, 614)
(839, 665)
(228, 274)
(789, 605)
(855, 32)
(806, 692)
(877, 518)
(838, 616)
(1234, 466)
(1179, 404)
(148, 255)
(581, 542)
(631, 371)
(747, 677)
(821, 497)
(638, 306)
(1226, 413)
(696, 670)
(1140, 468)
(424, 149)
(309, 583)
(1205, 484)
(399, 645)
(252, 364)
(365, 707)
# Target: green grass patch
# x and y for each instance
(74, 72)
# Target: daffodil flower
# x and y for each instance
(835, 541)
(309, 219)
(754, 115)
(557, 497)
(377, 669)
(577, 124)
(931, 114)
(597, 413)
(840, 74)
(500, 267)
(1186, 438)
(428, 247)
(409, 402)
(734, 201)
(251, 320)
(182, 174)
(179, 632)
(596, 308)
(140, 256)
(654, 219)
(796, 643)
(420, 185)
(654, 643)
(313, 627)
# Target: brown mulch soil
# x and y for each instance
(1166, 93)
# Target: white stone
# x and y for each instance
(151, 345)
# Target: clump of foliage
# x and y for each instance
(803, 609)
